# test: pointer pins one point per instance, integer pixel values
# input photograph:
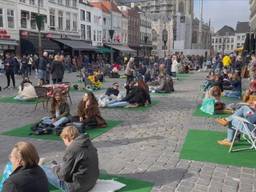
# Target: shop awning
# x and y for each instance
(8, 42)
(103, 50)
(122, 48)
(76, 44)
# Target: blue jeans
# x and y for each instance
(54, 180)
(232, 94)
(42, 74)
(48, 121)
(244, 112)
(117, 104)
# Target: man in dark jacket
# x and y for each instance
(43, 62)
(79, 170)
(9, 70)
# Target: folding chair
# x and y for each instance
(41, 95)
(247, 134)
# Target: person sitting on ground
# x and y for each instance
(215, 93)
(138, 95)
(236, 85)
(95, 83)
(247, 112)
(250, 93)
(23, 174)
(88, 113)
(26, 90)
(60, 111)
(213, 80)
(99, 74)
(115, 71)
(166, 84)
(79, 170)
(110, 95)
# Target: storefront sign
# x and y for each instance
(4, 34)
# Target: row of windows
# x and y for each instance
(33, 2)
(9, 16)
(59, 14)
(67, 3)
(227, 47)
(220, 40)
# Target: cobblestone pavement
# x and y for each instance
(146, 145)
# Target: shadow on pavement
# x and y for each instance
(161, 177)
(125, 141)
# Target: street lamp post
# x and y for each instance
(39, 21)
(165, 39)
(111, 33)
(145, 41)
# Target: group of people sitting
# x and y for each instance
(78, 171)
(88, 115)
(229, 85)
(217, 85)
(137, 94)
(90, 80)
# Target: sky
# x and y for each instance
(223, 12)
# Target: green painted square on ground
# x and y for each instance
(26, 130)
(201, 145)
(10, 99)
(132, 185)
(198, 113)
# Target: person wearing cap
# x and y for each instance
(111, 95)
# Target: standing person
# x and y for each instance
(9, 70)
(79, 170)
(30, 63)
(43, 62)
(174, 66)
(57, 69)
(24, 64)
(129, 71)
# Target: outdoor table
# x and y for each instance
(64, 88)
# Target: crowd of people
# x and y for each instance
(79, 170)
(225, 80)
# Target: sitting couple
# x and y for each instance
(78, 172)
(88, 112)
(137, 95)
(247, 112)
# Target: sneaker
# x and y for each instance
(6, 87)
(224, 142)
(223, 122)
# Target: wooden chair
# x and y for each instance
(42, 96)
(67, 93)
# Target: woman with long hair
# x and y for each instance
(60, 112)
(23, 172)
(138, 95)
(88, 112)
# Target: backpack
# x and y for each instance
(41, 129)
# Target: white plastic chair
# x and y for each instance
(247, 134)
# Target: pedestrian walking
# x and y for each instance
(9, 70)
